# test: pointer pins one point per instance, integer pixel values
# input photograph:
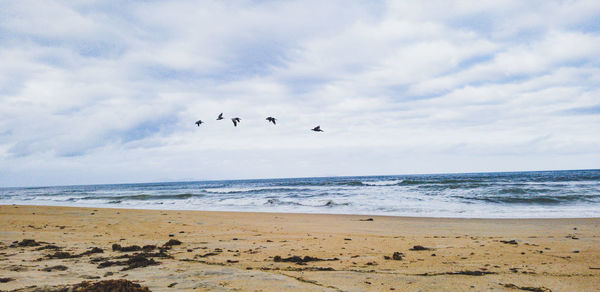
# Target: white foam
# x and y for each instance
(382, 183)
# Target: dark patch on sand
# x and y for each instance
(309, 269)
(49, 246)
(66, 255)
(160, 254)
(26, 243)
(206, 255)
(92, 251)
(534, 289)
(467, 273)
(55, 268)
(171, 242)
(301, 260)
(138, 261)
(397, 256)
(419, 248)
(118, 247)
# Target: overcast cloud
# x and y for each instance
(108, 92)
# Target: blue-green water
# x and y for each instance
(474, 195)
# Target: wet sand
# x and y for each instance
(231, 251)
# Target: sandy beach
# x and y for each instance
(230, 251)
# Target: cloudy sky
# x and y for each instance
(108, 92)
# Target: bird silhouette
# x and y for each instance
(235, 121)
(317, 129)
(272, 120)
(220, 117)
(198, 122)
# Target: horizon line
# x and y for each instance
(298, 177)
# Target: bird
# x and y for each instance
(317, 129)
(235, 121)
(271, 119)
(220, 117)
(198, 122)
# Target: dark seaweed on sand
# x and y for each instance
(55, 268)
(301, 260)
(118, 247)
(419, 247)
(138, 261)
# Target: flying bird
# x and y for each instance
(220, 117)
(271, 119)
(198, 122)
(317, 129)
(235, 121)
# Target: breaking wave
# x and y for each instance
(475, 195)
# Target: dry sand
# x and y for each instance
(225, 251)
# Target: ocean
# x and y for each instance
(540, 194)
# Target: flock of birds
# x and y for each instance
(237, 120)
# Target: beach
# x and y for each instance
(243, 251)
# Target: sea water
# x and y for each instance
(542, 194)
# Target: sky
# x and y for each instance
(108, 91)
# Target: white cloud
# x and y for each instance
(95, 92)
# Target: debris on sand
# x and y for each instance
(6, 280)
(25, 243)
(471, 273)
(368, 219)
(149, 247)
(138, 261)
(109, 285)
(301, 260)
(467, 273)
(509, 241)
(49, 246)
(61, 255)
(309, 269)
(160, 254)
(397, 256)
(89, 277)
(206, 255)
(118, 247)
(96, 260)
(92, 251)
(419, 247)
(55, 268)
(17, 268)
(121, 285)
(66, 255)
(172, 242)
(534, 289)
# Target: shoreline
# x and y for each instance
(305, 213)
(225, 251)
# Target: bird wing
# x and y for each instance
(234, 122)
